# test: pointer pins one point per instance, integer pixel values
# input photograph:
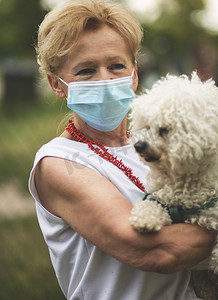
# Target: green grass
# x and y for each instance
(26, 271)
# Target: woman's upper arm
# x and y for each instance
(96, 209)
(88, 202)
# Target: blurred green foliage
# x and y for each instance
(176, 42)
(19, 21)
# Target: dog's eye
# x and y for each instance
(163, 131)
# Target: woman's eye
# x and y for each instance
(85, 72)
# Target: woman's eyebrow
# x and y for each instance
(120, 58)
(83, 64)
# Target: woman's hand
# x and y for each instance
(96, 209)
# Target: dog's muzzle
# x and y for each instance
(146, 151)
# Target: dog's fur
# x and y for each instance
(175, 130)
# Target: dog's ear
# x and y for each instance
(135, 79)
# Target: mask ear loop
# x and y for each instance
(63, 81)
(133, 71)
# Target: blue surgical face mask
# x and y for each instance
(101, 104)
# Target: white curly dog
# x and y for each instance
(175, 131)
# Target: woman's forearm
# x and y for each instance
(175, 248)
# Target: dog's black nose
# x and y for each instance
(140, 146)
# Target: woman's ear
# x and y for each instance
(135, 79)
(58, 87)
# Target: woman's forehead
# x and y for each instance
(103, 44)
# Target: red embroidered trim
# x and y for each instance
(103, 152)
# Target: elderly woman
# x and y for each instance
(85, 181)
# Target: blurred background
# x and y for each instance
(179, 37)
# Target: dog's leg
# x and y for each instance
(149, 216)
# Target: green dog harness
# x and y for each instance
(177, 213)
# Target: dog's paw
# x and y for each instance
(148, 216)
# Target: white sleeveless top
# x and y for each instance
(83, 271)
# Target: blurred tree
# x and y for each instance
(175, 42)
(19, 20)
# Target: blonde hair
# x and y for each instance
(63, 27)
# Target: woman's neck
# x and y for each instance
(115, 138)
